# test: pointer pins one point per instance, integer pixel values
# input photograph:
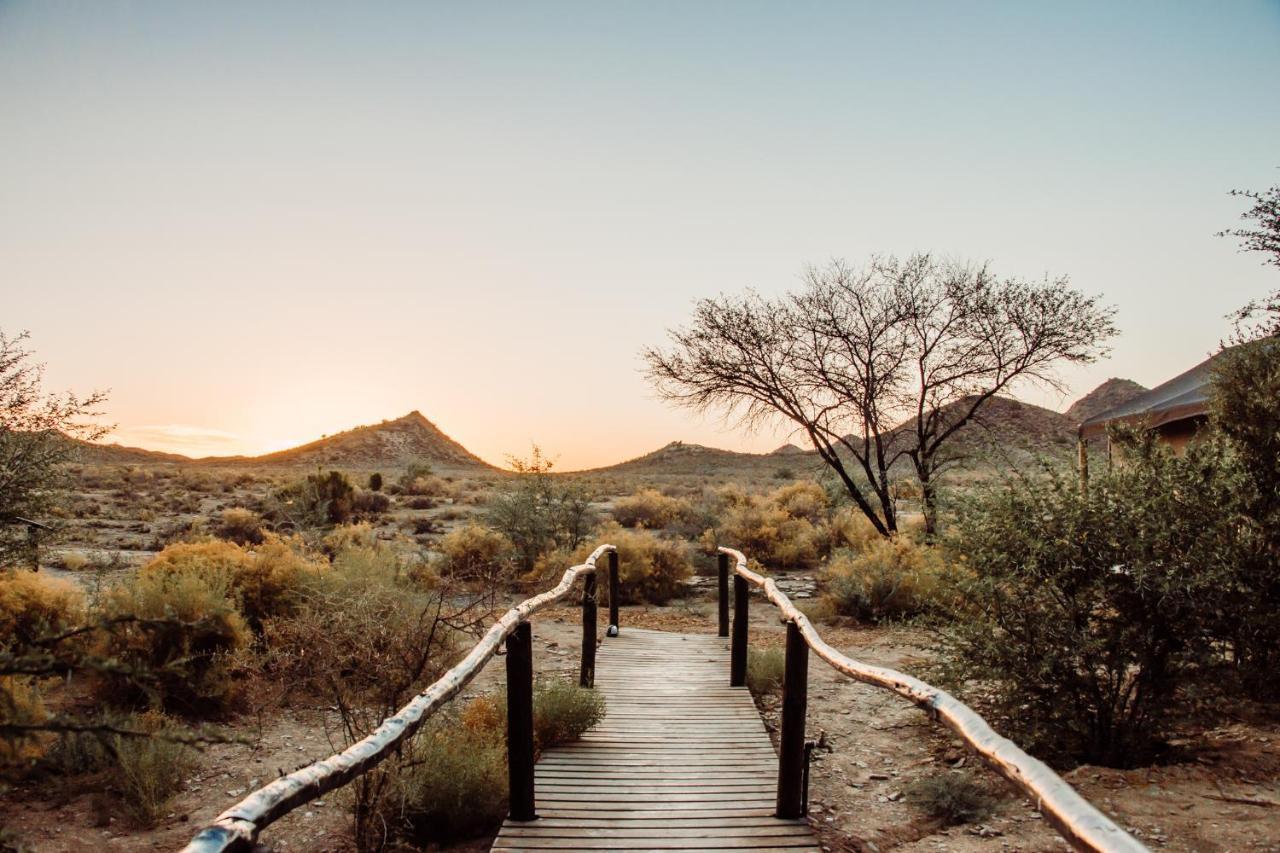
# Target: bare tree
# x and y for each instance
(881, 365)
(36, 432)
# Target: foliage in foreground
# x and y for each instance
(1089, 613)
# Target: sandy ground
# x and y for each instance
(1220, 798)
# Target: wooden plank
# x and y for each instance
(681, 761)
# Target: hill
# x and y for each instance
(1109, 394)
(394, 443)
(681, 458)
(1007, 430)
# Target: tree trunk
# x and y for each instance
(929, 504)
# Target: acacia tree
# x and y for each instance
(36, 432)
(879, 366)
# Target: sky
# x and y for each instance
(257, 223)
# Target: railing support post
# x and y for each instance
(614, 624)
(520, 721)
(791, 758)
(587, 674)
(738, 646)
(724, 594)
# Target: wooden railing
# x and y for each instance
(1082, 825)
(237, 828)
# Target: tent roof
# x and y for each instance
(1184, 396)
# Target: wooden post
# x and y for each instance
(587, 674)
(520, 721)
(738, 646)
(724, 595)
(614, 624)
(795, 690)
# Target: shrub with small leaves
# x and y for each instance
(891, 579)
(765, 669)
(951, 797)
(148, 771)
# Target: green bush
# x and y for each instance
(889, 580)
(1087, 613)
(539, 513)
(319, 500)
(951, 797)
(765, 669)
(475, 552)
(650, 509)
(650, 568)
(784, 529)
(265, 582)
(453, 787)
(177, 656)
(364, 624)
(148, 771)
(1246, 408)
(33, 606)
(241, 526)
(562, 712)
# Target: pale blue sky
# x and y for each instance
(259, 222)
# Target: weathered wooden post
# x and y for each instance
(791, 758)
(724, 595)
(520, 721)
(738, 645)
(614, 624)
(587, 675)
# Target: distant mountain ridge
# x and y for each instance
(411, 438)
(1005, 430)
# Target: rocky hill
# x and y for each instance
(1109, 394)
(390, 443)
(394, 443)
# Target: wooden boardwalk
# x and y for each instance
(681, 761)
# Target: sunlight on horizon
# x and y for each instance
(260, 224)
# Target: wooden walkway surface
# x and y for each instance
(681, 761)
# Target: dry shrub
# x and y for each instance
(33, 606)
(148, 771)
(763, 528)
(241, 526)
(562, 713)
(475, 551)
(765, 668)
(265, 582)
(361, 627)
(891, 579)
(650, 568)
(20, 704)
(803, 499)
(850, 528)
(176, 657)
(650, 509)
(951, 797)
(73, 561)
(452, 786)
(370, 503)
(349, 536)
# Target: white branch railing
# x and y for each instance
(1075, 818)
(237, 828)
